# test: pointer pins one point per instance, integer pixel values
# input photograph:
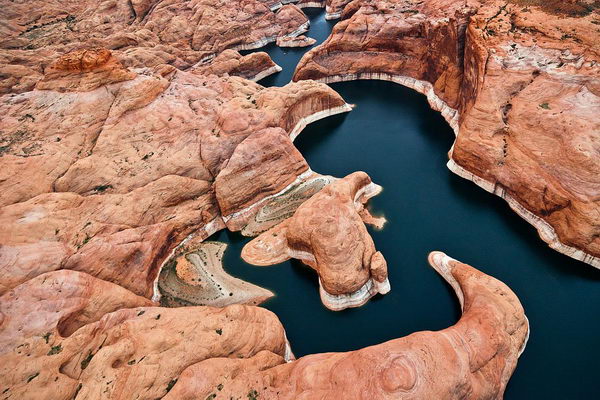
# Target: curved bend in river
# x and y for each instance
(518, 81)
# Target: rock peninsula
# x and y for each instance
(328, 233)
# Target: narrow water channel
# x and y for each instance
(402, 144)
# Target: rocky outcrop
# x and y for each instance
(84, 70)
(66, 334)
(299, 41)
(109, 181)
(517, 81)
(140, 33)
(328, 233)
(472, 359)
(254, 66)
(194, 275)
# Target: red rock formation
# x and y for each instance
(133, 165)
(299, 41)
(328, 233)
(84, 70)
(141, 33)
(254, 66)
(518, 82)
(66, 334)
(472, 359)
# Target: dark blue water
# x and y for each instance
(402, 144)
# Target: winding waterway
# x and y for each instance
(402, 144)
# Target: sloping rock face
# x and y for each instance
(194, 275)
(519, 83)
(66, 334)
(328, 233)
(299, 41)
(109, 179)
(472, 359)
(254, 66)
(141, 33)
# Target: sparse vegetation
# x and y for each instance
(102, 188)
(55, 350)
(86, 361)
(171, 384)
(561, 7)
(32, 377)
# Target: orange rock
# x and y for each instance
(140, 33)
(254, 66)
(298, 41)
(93, 339)
(473, 358)
(134, 165)
(327, 233)
(517, 81)
(84, 71)
(261, 166)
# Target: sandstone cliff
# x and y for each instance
(517, 80)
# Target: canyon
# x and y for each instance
(132, 131)
(516, 80)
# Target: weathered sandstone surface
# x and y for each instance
(66, 334)
(519, 81)
(254, 66)
(131, 132)
(298, 41)
(141, 33)
(194, 275)
(106, 170)
(472, 359)
(328, 233)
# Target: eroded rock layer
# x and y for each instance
(254, 66)
(195, 276)
(298, 41)
(66, 334)
(109, 169)
(328, 233)
(472, 359)
(517, 80)
(141, 33)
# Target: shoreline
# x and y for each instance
(545, 231)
